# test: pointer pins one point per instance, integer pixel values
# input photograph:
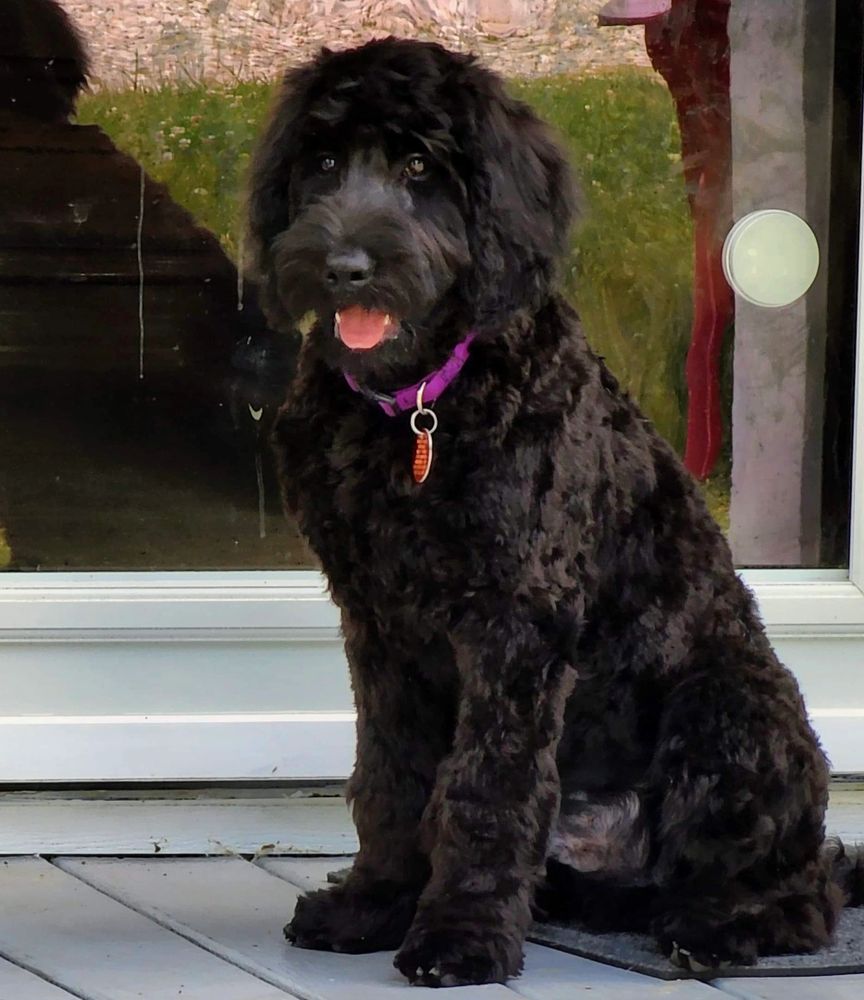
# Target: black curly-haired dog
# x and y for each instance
(565, 697)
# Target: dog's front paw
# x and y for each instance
(451, 951)
(354, 920)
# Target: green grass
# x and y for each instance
(195, 139)
(629, 272)
(717, 491)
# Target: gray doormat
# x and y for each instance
(639, 953)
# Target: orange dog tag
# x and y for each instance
(422, 456)
(423, 443)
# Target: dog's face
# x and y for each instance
(400, 195)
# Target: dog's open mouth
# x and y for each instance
(362, 329)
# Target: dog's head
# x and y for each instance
(400, 194)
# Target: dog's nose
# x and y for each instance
(348, 270)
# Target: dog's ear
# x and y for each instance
(268, 200)
(521, 198)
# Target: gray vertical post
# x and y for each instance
(781, 79)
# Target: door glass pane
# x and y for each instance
(139, 381)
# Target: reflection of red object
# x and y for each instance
(688, 44)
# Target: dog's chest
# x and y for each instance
(378, 533)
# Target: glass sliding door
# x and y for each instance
(152, 594)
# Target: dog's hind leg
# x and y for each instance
(402, 733)
(735, 923)
(740, 788)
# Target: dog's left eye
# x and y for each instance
(416, 167)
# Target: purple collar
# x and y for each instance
(436, 382)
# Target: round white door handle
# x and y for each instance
(771, 257)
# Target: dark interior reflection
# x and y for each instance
(136, 386)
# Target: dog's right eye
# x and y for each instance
(416, 168)
(326, 164)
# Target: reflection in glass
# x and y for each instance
(136, 391)
(138, 380)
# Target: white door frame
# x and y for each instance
(278, 616)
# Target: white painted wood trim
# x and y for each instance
(856, 546)
(841, 732)
(249, 821)
(173, 613)
(120, 605)
(808, 607)
(308, 746)
(286, 606)
(254, 822)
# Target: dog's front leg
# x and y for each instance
(494, 801)
(402, 735)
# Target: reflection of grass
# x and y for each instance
(5, 551)
(195, 139)
(631, 272)
(717, 491)
(630, 269)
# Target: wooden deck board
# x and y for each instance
(553, 975)
(794, 988)
(98, 949)
(237, 910)
(305, 873)
(19, 984)
(211, 929)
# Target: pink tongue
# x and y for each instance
(361, 328)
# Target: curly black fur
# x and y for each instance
(565, 696)
(43, 61)
(847, 869)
